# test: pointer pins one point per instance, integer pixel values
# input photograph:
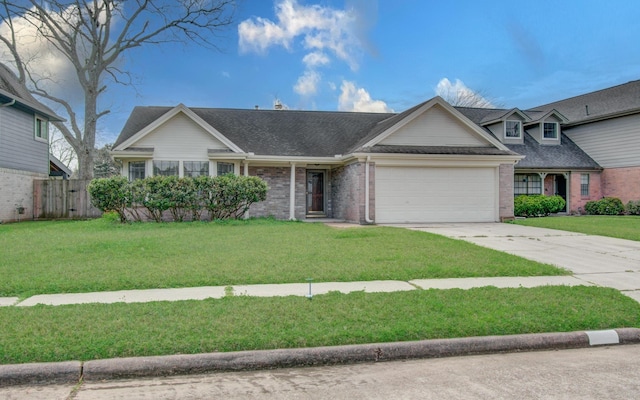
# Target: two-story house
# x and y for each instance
(24, 147)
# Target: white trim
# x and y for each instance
(180, 108)
(292, 192)
(428, 105)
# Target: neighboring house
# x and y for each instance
(427, 164)
(431, 163)
(24, 147)
(582, 148)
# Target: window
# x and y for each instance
(165, 168)
(584, 185)
(513, 129)
(527, 184)
(41, 129)
(136, 170)
(225, 168)
(550, 130)
(195, 168)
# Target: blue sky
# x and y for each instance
(368, 55)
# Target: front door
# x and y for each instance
(561, 188)
(315, 193)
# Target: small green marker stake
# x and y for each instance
(309, 295)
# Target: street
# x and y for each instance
(596, 373)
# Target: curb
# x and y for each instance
(137, 367)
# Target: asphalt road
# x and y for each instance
(591, 373)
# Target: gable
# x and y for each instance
(435, 127)
(180, 137)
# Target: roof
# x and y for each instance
(601, 104)
(566, 155)
(273, 132)
(11, 89)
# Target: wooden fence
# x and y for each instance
(57, 198)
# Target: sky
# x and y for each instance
(387, 56)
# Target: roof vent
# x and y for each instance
(257, 106)
(586, 109)
(277, 105)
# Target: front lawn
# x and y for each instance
(99, 255)
(93, 331)
(623, 227)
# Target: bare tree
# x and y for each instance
(93, 36)
(459, 95)
(61, 149)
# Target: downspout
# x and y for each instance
(292, 193)
(9, 104)
(366, 192)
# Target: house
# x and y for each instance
(24, 147)
(431, 163)
(582, 148)
(427, 164)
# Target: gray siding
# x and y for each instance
(18, 147)
(613, 143)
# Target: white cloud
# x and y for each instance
(458, 94)
(225, 74)
(308, 83)
(358, 99)
(315, 59)
(323, 32)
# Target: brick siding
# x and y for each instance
(17, 190)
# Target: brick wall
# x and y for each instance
(348, 192)
(16, 189)
(577, 200)
(277, 202)
(506, 191)
(623, 183)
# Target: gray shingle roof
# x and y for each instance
(274, 132)
(606, 102)
(10, 88)
(566, 155)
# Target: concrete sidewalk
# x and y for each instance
(287, 289)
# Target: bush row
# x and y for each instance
(537, 205)
(219, 197)
(612, 206)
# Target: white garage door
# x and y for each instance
(416, 194)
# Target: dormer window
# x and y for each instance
(513, 129)
(550, 130)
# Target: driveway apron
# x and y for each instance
(599, 260)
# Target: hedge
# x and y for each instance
(605, 206)
(219, 197)
(537, 205)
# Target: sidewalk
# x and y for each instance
(287, 289)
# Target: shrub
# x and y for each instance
(110, 194)
(537, 205)
(227, 196)
(605, 206)
(633, 207)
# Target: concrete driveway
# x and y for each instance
(600, 260)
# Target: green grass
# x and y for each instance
(623, 227)
(86, 332)
(98, 255)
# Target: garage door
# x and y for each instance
(417, 194)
